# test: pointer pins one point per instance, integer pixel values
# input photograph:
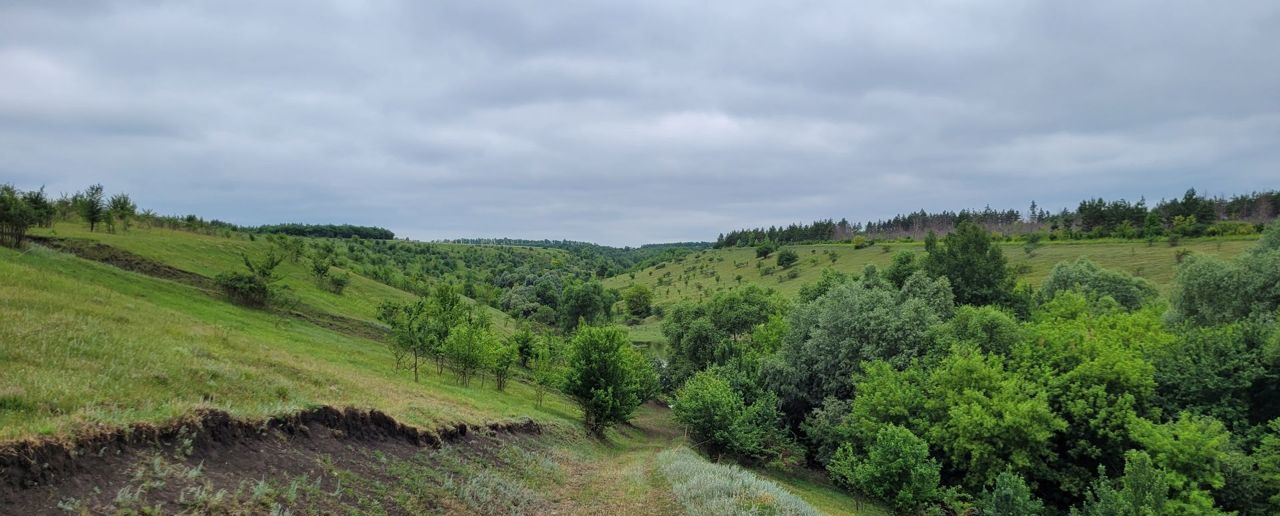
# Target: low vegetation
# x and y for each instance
(704, 488)
(949, 375)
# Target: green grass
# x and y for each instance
(83, 343)
(700, 275)
(209, 255)
(826, 498)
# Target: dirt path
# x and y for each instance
(624, 479)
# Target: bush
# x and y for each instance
(787, 258)
(244, 288)
(1088, 278)
(639, 301)
(717, 417)
(254, 287)
(1231, 228)
(766, 249)
(339, 282)
(709, 408)
(896, 470)
(607, 377)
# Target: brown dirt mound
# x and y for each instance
(35, 475)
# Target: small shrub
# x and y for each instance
(243, 288)
(765, 249)
(787, 258)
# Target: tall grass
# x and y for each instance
(713, 489)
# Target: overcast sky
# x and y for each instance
(634, 122)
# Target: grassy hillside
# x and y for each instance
(209, 255)
(85, 345)
(101, 345)
(701, 274)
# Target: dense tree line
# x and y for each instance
(936, 384)
(1188, 216)
(327, 231)
(817, 231)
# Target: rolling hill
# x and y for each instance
(116, 342)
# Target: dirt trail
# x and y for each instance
(625, 479)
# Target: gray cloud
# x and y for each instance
(624, 122)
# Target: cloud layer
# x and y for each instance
(634, 122)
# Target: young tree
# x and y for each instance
(44, 210)
(501, 359)
(525, 345)
(421, 329)
(320, 269)
(1033, 243)
(639, 301)
(122, 209)
(409, 338)
(547, 365)
(606, 376)
(92, 206)
(292, 248)
(469, 348)
(975, 266)
(16, 216)
(446, 310)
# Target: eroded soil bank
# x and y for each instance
(211, 461)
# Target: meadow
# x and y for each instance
(87, 346)
(700, 275)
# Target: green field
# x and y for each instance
(84, 345)
(209, 255)
(701, 275)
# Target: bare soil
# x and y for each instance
(165, 467)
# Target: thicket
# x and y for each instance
(938, 385)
